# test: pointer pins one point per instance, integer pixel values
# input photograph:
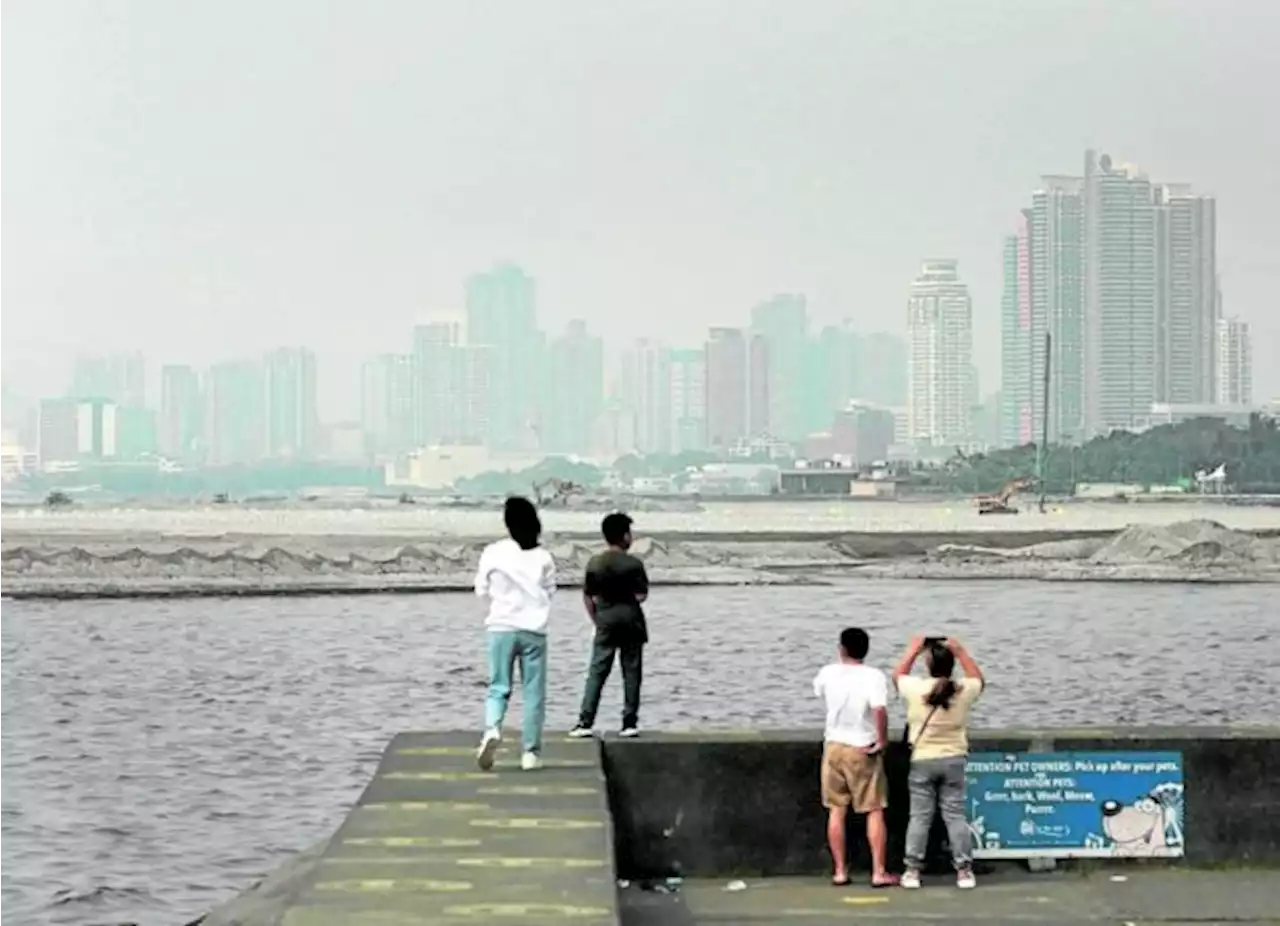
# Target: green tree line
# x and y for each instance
(1165, 455)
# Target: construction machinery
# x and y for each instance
(998, 503)
(555, 493)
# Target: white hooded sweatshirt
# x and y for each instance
(519, 585)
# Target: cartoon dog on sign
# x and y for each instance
(1150, 825)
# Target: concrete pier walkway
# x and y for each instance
(1125, 895)
(435, 840)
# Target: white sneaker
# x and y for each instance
(580, 732)
(530, 761)
(488, 749)
(965, 880)
(629, 732)
(910, 879)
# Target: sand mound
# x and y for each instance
(1200, 543)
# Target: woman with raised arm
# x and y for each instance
(938, 737)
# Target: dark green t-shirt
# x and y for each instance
(615, 580)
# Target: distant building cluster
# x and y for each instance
(1119, 273)
(772, 387)
(1111, 318)
(233, 412)
(491, 386)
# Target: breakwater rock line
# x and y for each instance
(201, 567)
(65, 567)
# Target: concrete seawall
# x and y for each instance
(746, 803)
(434, 841)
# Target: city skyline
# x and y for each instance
(679, 186)
(510, 386)
(496, 378)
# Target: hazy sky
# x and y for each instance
(208, 179)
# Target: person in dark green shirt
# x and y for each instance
(614, 589)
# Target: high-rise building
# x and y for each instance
(1120, 289)
(500, 305)
(645, 394)
(235, 425)
(1186, 295)
(1044, 296)
(438, 374)
(939, 355)
(292, 416)
(795, 403)
(1017, 340)
(576, 391)
(181, 408)
(1056, 276)
(880, 369)
(117, 378)
(835, 360)
(1119, 274)
(73, 430)
(726, 363)
(501, 316)
(737, 370)
(476, 389)
(1234, 363)
(386, 404)
(687, 399)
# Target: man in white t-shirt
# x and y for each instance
(857, 729)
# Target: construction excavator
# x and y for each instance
(555, 493)
(998, 503)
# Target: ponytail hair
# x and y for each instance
(942, 662)
(943, 691)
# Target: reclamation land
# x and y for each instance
(70, 563)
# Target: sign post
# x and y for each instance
(1076, 805)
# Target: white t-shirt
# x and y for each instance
(851, 692)
(519, 585)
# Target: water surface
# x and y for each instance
(158, 756)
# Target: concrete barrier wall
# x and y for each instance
(746, 803)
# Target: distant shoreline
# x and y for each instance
(1027, 501)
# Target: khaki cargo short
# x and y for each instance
(853, 779)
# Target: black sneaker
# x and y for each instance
(580, 732)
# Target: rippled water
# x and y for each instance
(158, 756)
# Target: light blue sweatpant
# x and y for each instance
(506, 647)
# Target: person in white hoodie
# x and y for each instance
(518, 577)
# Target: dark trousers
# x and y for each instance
(630, 653)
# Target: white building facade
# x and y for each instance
(939, 356)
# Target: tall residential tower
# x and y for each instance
(939, 356)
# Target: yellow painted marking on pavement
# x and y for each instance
(469, 776)
(523, 909)
(425, 805)
(415, 842)
(394, 885)
(567, 763)
(387, 860)
(502, 861)
(469, 751)
(538, 790)
(537, 823)
(865, 901)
